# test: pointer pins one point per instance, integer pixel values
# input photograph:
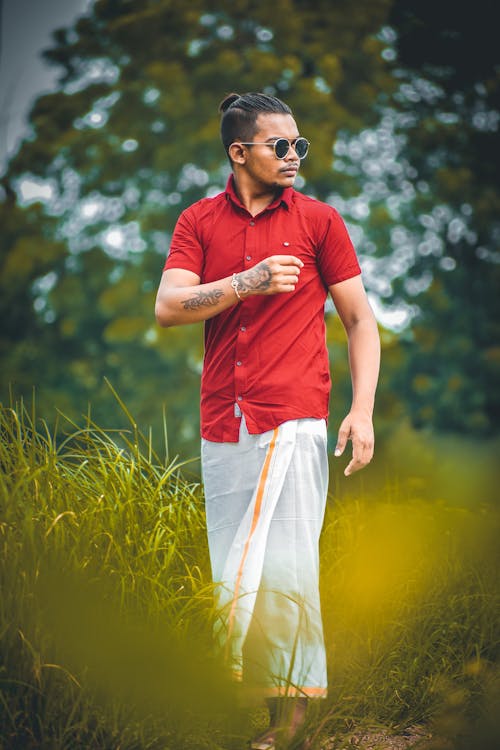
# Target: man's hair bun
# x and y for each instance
(226, 103)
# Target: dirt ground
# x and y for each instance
(379, 740)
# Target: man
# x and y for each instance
(256, 263)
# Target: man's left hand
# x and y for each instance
(358, 428)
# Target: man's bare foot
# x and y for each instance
(286, 718)
(266, 741)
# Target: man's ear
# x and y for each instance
(237, 153)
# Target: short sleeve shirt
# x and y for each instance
(265, 357)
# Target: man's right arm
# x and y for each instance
(181, 299)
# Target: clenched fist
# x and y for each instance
(273, 275)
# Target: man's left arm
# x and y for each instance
(351, 303)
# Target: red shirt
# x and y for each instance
(266, 356)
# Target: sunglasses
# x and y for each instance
(282, 146)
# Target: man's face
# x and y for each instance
(261, 163)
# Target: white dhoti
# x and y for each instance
(265, 502)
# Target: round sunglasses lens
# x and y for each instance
(281, 147)
(301, 146)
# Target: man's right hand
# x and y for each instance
(273, 275)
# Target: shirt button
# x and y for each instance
(252, 223)
(238, 364)
(249, 257)
(240, 398)
(243, 328)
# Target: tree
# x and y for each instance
(425, 214)
(450, 97)
(130, 138)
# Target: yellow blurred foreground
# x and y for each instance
(106, 612)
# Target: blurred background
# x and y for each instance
(109, 128)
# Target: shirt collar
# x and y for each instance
(283, 197)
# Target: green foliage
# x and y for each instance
(450, 363)
(426, 219)
(128, 140)
(131, 137)
(107, 608)
(106, 593)
(451, 366)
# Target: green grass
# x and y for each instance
(106, 606)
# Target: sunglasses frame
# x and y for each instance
(291, 144)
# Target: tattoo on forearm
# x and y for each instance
(203, 299)
(255, 279)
